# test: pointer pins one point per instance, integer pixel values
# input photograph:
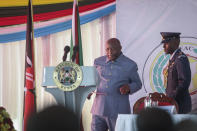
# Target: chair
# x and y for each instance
(162, 99)
(139, 105)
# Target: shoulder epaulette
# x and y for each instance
(182, 55)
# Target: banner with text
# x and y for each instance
(139, 23)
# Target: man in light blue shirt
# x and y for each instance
(118, 78)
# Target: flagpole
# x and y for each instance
(33, 45)
(29, 85)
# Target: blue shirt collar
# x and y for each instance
(116, 60)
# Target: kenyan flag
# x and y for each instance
(76, 42)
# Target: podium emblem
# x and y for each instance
(67, 76)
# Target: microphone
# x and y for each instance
(66, 51)
(75, 50)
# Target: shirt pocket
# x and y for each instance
(120, 73)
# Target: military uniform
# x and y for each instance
(178, 81)
(178, 75)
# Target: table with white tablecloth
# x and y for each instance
(127, 122)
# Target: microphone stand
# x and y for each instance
(66, 51)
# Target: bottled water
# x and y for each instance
(148, 102)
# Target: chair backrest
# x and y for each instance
(139, 105)
(162, 99)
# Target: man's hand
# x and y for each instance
(89, 95)
(124, 89)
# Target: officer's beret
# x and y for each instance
(167, 36)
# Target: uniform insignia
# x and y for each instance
(181, 56)
(165, 74)
(171, 64)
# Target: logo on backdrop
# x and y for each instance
(67, 76)
(157, 61)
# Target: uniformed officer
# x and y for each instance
(179, 73)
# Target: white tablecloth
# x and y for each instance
(127, 122)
